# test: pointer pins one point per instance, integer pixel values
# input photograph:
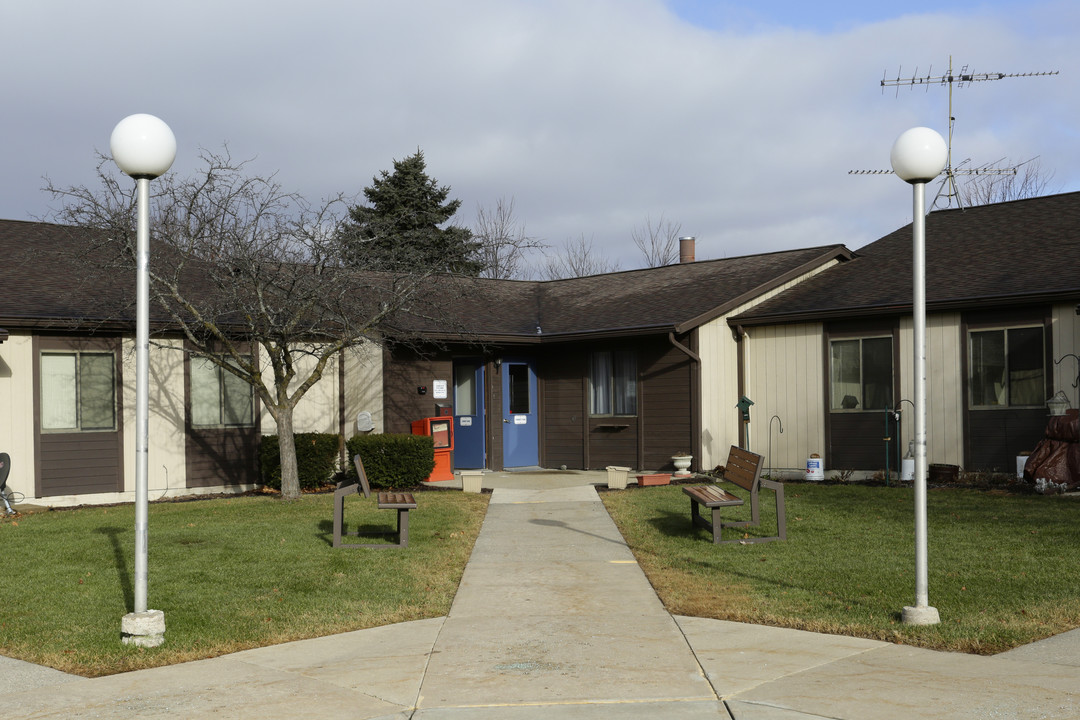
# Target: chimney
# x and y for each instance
(686, 249)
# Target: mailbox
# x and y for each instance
(441, 430)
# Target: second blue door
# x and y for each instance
(521, 437)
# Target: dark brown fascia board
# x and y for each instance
(84, 325)
(956, 304)
(530, 339)
(837, 252)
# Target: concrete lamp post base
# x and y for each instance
(920, 615)
(143, 629)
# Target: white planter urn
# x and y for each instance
(682, 464)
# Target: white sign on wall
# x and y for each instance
(438, 389)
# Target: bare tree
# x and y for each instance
(659, 242)
(987, 186)
(241, 266)
(577, 259)
(503, 242)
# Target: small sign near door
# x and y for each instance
(521, 419)
(465, 421)
(438, 389)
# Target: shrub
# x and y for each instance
(316, 458)
(392, 460)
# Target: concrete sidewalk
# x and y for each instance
(554, 619)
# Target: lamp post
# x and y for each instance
(918, 156)
(143, 147)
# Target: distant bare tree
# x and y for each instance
(577, 259)
(984, 188)
(240, 265)
(503, 242)
(659, 242)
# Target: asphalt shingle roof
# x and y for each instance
(1024, 251)
(670, 298)
(49, 280)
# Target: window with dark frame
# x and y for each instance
(613, 383)
(861, 374)
(78, 391)
(1006, 367)
(520, 401)
(218, 397)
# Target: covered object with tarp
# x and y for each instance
(1054, 466)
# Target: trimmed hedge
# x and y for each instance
(316, 460)
(392, 460)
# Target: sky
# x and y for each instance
(738, 121)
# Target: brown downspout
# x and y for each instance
(695, 395)
(740, 364)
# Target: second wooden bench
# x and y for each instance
(400, 501)
(744, 470)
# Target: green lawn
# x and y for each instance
(229, 574)
(1002, 567)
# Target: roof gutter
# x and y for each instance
(972, 303)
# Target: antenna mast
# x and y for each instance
(948, 185)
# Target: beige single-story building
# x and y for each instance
(624, 368)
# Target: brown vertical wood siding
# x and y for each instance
(493, 400)
(403, 372)
(221, 456)
(663, 425)
(666, 404)
(564, 407)
(80, 462)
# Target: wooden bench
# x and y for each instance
(743, 469)
(402, 502)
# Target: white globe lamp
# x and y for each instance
(143, 146)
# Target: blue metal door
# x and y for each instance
(469, 451)
(521, 437)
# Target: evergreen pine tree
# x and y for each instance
(400, 228)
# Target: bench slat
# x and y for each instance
(712, 496)
(395, 500)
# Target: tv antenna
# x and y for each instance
(948, 184)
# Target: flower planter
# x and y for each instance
(682, 464)
(471, 481)
(616, 477)
(654, 479)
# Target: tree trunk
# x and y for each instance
(290, 477)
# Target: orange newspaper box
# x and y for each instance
(441, 430)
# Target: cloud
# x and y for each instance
(591, 115)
